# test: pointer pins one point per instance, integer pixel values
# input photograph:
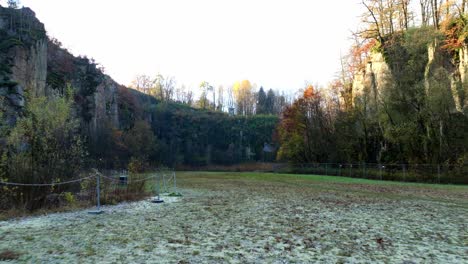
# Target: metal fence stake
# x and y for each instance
(175, 184)
(438, 172)
(381, 167)
(404, 172)
(158, 198)
(98, 196)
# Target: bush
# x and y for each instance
(43, 147)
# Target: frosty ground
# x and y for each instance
(258, 218)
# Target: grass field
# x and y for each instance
(257, 218)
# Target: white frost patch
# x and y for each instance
(242, 226)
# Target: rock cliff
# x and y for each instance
(34, 65)
(441, 72)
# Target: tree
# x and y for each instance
(270, 102)
(205, 87)
(44, 146)
(220, 105)
(244, 97)
(13, 4)
(261, 102)
(305, 130)
(140, 141)
(425, 11)
(143, 83)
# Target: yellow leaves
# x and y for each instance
(244, 95)
(241, 87)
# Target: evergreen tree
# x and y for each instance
(13, 4)
(270, 102)
(261, 102)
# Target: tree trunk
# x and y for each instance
(435, 13)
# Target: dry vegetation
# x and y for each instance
(257, 218)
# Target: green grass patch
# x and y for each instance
(287, 178)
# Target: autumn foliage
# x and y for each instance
(304, 129)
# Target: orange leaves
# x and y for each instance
(309, 92)
(362, 51)
(455, 33)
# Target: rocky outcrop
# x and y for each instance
(463, 69)
(34, 65)
(23, 60)
(372, 80)
(441, 73)
(447, 76)
(105, 101)
(29, 67)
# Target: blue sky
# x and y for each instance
(275, 44)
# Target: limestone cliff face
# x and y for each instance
(444, 73)
(34, 65)
(373, 79)
(441, 73)
(463, 69)
(23, 60)
(29, 67)
(105, 101)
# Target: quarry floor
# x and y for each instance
(257, 218)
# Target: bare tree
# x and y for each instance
(373, 13)
(220, 98)
(425, 6)
(435, 4)
(405, 13)
(168, 87)
(142, 83)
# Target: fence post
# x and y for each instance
(98, 189)
(98, 196)
(175, 184)
(365, 171)
(158, 198)
(326, 169)
(164, 182)
(438, 172)
(404, 172)
(339, 171)
(380, 167)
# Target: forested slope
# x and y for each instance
(110, 125)
(400, 98)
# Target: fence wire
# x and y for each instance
(424, 173)
(114, 187)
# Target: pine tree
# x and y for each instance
(270, 102)
(261, 102)
(13, 4)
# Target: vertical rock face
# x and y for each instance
(463, 69)
(441, 73)
(23, 60)
(31, 63)
(29, 67)
(105, 101)
(373, 79)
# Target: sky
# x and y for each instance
(274, 44)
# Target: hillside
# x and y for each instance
(34, 66)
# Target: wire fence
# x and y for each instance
(424, 173)
(98, 188)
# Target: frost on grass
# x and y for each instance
(239, 222)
